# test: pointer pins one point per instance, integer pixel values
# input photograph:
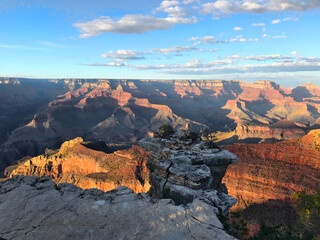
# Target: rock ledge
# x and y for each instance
(36, 208)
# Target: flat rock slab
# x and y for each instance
(33, 208)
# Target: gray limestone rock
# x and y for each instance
(67, 212)
(184, 169)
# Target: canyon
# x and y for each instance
(125, 111)
(274, 170)
(101, 128)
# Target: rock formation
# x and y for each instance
(75, 163)
(274, 171)
(179, 168)
(33, 208)
(184, 168)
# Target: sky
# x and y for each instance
(245, 40)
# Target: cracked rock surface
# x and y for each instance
(36, 208)
(184, 169)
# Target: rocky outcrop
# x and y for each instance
(76, 163)
(184, 168)
(33, 208)
(274, 171)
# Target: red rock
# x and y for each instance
(274, 171)
(87, 168)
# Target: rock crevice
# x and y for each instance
(184, 169)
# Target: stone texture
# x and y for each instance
(184, 169)
(33, 208)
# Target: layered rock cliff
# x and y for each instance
(274, 171)
(185, 168)
(75, 163)
(33, 208)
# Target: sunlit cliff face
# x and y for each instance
(87, 168)
(274, 171)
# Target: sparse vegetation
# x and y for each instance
(276, 233)
(239, 226)
(209, 135)
(192, 135)
(307, 225)
(224, 220)
(164, 131)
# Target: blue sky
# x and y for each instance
(180, 39)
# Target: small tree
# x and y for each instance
(209, 135)
(164, 131)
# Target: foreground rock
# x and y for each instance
(33, 208)
(76, 163)
(184, 168)
(274, 171)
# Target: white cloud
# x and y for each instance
(283, 35)
(166, 4)
(228, 7)
(309, 59)
(276, 21)
(261, 57)
(288, 19)
(202, 40)
(295, 53)
(188, 1)
(125, 54)
(237, 28)
(276, 67)
(174, 49)
(195, 63)
(110, 64)
(258, 24)
(212, 39)
(129, 24)
(280, 64)
(172, 9)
